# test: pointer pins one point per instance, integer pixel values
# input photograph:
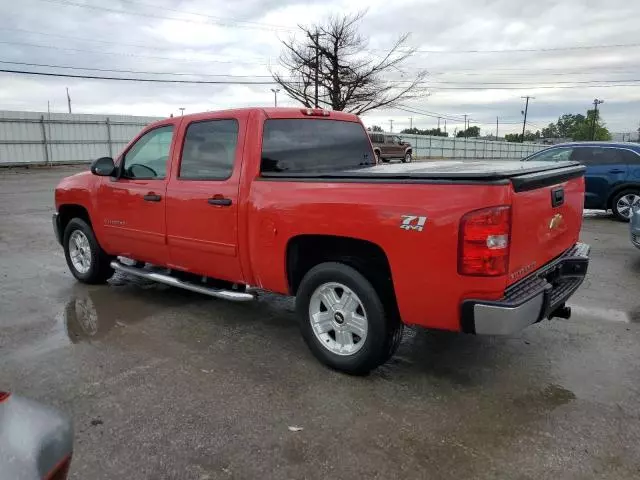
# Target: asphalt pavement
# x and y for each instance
(163, 383)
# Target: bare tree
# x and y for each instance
(330, 68)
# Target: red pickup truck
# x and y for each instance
(292, 201)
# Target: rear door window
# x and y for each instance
(209, 150)
(295, 146)
(631, 157)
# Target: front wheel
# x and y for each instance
(623, 203)
(407, 158)
(343, 320)
(86, 260)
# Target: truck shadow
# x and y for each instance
(269, 324)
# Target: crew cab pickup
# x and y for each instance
(293, 201)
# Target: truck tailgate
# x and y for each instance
(546, 218)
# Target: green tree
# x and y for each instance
(577, 127)
(551, 131)
(433, 132)
(375, 128)
(585, 130)
(470, 132)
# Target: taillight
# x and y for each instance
(4, 396)
(315, 112)
(485, 242)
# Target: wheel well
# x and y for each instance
(68, 212)
(618, 189)
(306, 251)
(409, 150)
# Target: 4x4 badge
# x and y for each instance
(413, 222)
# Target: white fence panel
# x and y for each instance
(43, 138)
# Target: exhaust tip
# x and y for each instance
(561, 312)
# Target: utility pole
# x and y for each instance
(391, 126)
(445, 125)
(410, 123)
(181, 111)
(317, 67)
(526, 109)
(496, 128)
(275, 96)
(596, 102)
(68, 100)
(465, 125)
(438, 123)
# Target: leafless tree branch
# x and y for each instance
(348, 78)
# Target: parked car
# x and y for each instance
(292, 201)
(388, 147)
(612, 177)
(635, 226)
(36, 441)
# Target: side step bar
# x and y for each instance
(174, 282)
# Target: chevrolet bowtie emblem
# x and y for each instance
(557, 221)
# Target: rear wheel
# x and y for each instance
(86, 260)
(343, 320)
(623, 204)
(407, 158)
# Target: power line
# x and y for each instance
(200, 14)
(237, 62)
(131, 79)
(517, 50)
(131, 71)
(533, 87)
(164, 17)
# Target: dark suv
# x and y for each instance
(387, 147)
(613, 173)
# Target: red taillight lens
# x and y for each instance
(315, 112)
(485, 242)
(4, 396)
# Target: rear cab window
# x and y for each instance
(314, 146)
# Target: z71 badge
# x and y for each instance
(413, 222)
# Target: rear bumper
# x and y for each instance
(532, 299)
(57, 228)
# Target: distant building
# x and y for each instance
(625, 136)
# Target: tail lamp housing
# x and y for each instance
(484, 242)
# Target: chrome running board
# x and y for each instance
(174, 282)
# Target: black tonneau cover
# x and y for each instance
(523, 175)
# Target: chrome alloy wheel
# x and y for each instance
(625, 204)
(338, 318)
(80, 251)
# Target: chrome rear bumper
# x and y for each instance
(541, 295)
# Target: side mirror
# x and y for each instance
(103, 167)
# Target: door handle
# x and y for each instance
(616, 170)
(152, 197)
(220, 201)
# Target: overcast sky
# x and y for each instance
(214, 37)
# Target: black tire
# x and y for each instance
(384, 331)
(408, 158)
(620, 216)
(377, 154)
(99, 270)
